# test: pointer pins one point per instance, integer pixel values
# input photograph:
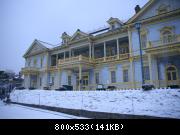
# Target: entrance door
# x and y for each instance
(84, 82)
(33, 81)
(172, 75)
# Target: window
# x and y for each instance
(125, 75)
(123, 50)
(40, 81)
(171, 73)
(29, 63)
(69, 80)
(97, 78)
(111, 48)
(53, 60)
(35, 62)
(61, 56)
(67, 54)
(85, 81)
(167, 36)
(143, 40)
(111, 51)
(146, 73)
(64, 41)
(113, 77)
(113, 26)
(42, 61)
(52, 81)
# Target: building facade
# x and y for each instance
(111, 56)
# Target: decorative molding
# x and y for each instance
(163, 8)
(170, 29)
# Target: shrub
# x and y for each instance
(148, 87)
(174, 86)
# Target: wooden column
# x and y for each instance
(57, 60)
(132, 72)
(64, 56)
(90, 51)
(117, 48)
(130, 43)
(69, 53)
(59, 77)
(150, 68)
(80, 76)
(104, 51)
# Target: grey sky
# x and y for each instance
(24, 20)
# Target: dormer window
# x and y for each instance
(114, 23)
(64, 41)
(65, 38)
(113, 26)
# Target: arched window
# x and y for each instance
(167, 34)
(143, 40)
(144, 33)
(171, 73)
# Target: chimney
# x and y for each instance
(137, 8)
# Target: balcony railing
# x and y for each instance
(165, 40)
(30, 69)
(112, 58)
(81, 58)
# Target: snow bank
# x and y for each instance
(21, 112)
(161, 102)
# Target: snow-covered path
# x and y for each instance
(21, 112)
(159, 102)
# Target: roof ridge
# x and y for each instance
(46, 43)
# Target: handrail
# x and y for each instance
(164, 40)
(30, 68)
(97, 60)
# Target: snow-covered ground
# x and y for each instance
(160, 102)
(21, 112)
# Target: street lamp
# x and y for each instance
(138, 27)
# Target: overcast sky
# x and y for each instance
(21, 21)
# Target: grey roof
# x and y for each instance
(47, 45)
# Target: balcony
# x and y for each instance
(75, 60)
(112, 58)
(85, 60)
(30, 70)
(166, 42)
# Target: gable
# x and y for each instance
(78, 35)
(35, 48)
(153, 8)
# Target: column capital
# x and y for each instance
(131, 59)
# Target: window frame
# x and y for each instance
(113, 78)
(125, 76)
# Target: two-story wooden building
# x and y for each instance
(111, 56)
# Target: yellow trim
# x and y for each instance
(166, 72)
